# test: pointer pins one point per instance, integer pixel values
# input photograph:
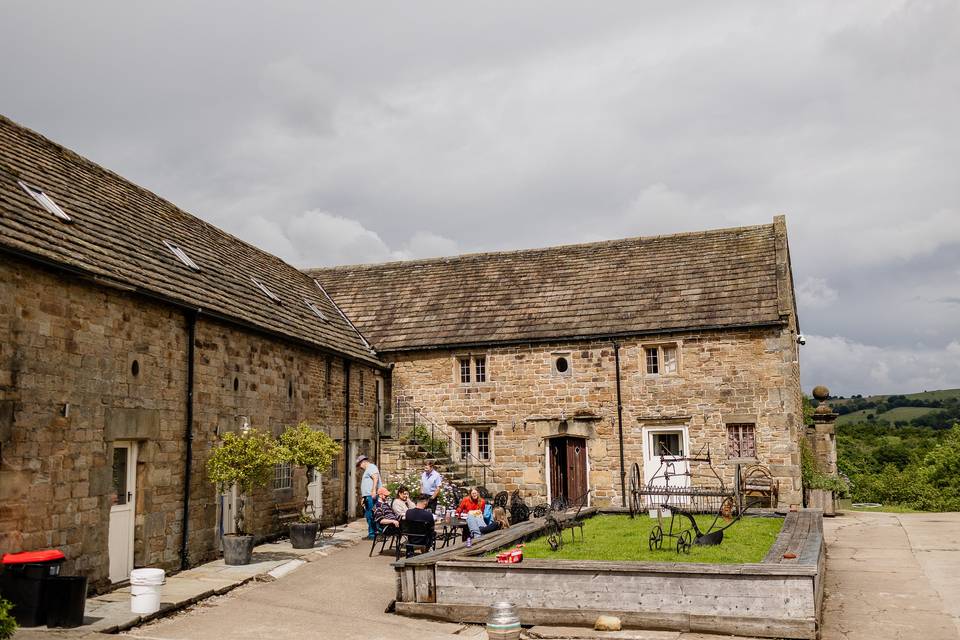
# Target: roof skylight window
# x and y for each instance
(316, 310)
(269, 294)
(182, 255)
(46, 202)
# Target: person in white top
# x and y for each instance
(402, 502)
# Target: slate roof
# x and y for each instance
(117, 237)
(721, 278)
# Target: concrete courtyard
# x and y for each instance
(888, 576)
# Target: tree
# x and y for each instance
(245, 460)
(304, 446)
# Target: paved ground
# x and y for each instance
(892, 576)
(889, 576)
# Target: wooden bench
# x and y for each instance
(287, 512)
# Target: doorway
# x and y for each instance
(227, 506)
(567, 467)
(123, 501)
(353, 489)
(663, 465)
(315, 492)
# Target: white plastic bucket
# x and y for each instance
(145, 586)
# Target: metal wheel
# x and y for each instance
(684, 541)
(656, 538)
(634, 489)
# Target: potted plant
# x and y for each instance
(304, 446)
(246, 460)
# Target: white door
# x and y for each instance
(352, 481)
(663, 450)
(315, 492)
(227, 506)
(122, 510)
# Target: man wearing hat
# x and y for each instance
(369, 484)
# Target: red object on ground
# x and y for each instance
(511, 557)
(32, 556)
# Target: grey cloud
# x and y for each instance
(344, 132)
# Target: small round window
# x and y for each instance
(562, 365)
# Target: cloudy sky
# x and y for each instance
(345, 132)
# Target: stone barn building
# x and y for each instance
(132, 335)
(559, 368)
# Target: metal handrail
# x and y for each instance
(457, 455)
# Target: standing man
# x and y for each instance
(369, 484)
(430, 483)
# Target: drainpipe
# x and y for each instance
(188, 438)
(623, 472)
(346, 440)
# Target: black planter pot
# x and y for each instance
(303, 534)
(237, 549)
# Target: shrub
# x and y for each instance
(7, 624)
(436, 447)
(245, 460)
(412, 482)
(304, 446)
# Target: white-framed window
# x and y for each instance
(181, 255)
(320, 314)
(477, 441)
(266, 291)
(472, 369)
(46, 202)
(661, 359)
(741, 440)
(283, 476)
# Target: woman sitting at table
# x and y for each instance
(471, 507)
(402, 502)
(471, 504)
(478, 527)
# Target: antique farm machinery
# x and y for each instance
(681, 488)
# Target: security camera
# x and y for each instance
(801, 339)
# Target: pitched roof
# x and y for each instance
(117, 236)
(721, 278)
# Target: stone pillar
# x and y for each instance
(822, 435)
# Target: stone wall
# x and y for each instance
(68, 391)
(724, 376)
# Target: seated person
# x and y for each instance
(471, 505)
(477, 526)
(402, 502)
(383, 515)
(420, 513)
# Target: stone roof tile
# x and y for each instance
(117, 235)
(720, 278)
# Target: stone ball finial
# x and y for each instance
(821, 393)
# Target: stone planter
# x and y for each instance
(303, 534)
(821, 499)
(237, 549)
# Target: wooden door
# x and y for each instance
(576, 461)
(558, 467)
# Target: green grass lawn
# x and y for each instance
(886, 508)
(616, 537)
(897, 413)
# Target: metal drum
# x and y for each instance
(504, 622)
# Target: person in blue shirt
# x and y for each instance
(430, 482)
(369, 484)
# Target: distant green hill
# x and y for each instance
(938, 408)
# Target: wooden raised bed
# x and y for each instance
(777, 598)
